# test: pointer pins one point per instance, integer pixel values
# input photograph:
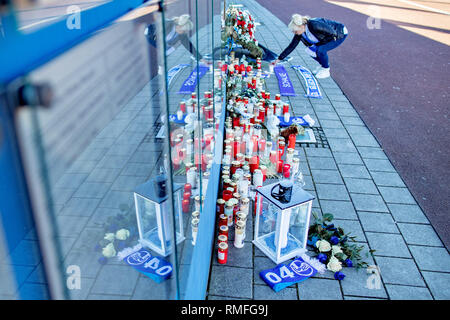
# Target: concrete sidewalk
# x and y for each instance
(354, 180)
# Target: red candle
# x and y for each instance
(281, 145)
(185, 205)
(222, 254)
(236, 122)
(262, 145)
(187, 187)
(227, 195)
(285, 108)
(183, 107)
(176, 163)
(187, 196)
(223, 229)
(291, 143)
(286, 170)
(280, 166)
(237, 148)
(223, 220)
(255, 143)
(273, 156)
(264, 172)
(278, 97)
(254, 163)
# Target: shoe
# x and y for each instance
(323, 73)
(317, 69)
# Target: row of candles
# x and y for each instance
(245, 151)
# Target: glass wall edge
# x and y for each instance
(201, 257)
(39, 47)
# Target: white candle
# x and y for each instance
(287, 116)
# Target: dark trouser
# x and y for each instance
(322, 51)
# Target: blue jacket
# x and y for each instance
(324, 30)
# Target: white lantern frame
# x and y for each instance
(281, 233)
(163, 230)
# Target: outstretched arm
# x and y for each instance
(189, 46)
(290, 47)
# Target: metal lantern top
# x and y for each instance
(298, 197)
(148, 190)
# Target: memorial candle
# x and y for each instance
(185, 206)
(292, 139)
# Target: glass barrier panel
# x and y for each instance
(98, 158)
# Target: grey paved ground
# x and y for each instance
(355, 181)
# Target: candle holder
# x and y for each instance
(281, 229)
(152, 214)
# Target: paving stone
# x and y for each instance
(113, 162)
(83, 207)
(379, 165)
(360, 283)
(242, 257)
(114, 279)
(86, 260)
(332, 192)
(339, 133)
(353, 121)
(360, 186)
(357, 130)
(419, 234)
(261, 263)
(397, 195)
(318, 152)
(372, 153)
(70, 226)
(103, 175)
(327, 115)
(332, 124)
(387, 179)
(399, 271)
(62, 196)
(327, 176)
(341, 145)
(347, 158)
(222, 284)
(368, 202)
(71, 180)
(322, 163)
(107, 297)
(397, 292)
(431, 258)
(83, 292)
(352, 227)
(92, 190)
(339, 209)
(113, 199)
(387, 244)
(211, 297)
(407, 213)
(360, 298)
(319, 289)
(127, 183)
(364, 141)
(439, 284)
(378, 222)
(147, 289)
(354, 171)
(266, 293)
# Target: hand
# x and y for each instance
(276, 62)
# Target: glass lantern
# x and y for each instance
(153, 216)
(281, 229)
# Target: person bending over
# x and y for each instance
(319, 35)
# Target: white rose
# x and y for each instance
(122, 234)
(109, 236)
(109, 251)
(323, 245)
(335, 250)
(334, 264)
